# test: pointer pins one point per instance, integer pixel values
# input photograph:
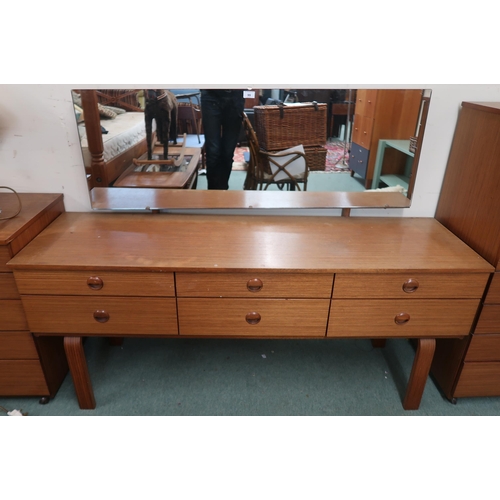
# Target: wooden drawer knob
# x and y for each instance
(253, 318)
(255, 285)
(101, 316)
(411, 285)
(95, 283)
(402, 318)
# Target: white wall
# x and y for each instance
(40, 152)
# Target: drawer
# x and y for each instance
(8, 288)
(489, 321)
(362, 130)
(4, 258)
(479, 379)
(253, 317)
(417, 285)
(12, 315)
(366, 101)
(95, 283)
(484, 348)
(101, 315)
(401, 318)
(17, 345)
(493, 296)
(254, 285)
(358, 159)
(22, 378)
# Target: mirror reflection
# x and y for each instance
(284, 139)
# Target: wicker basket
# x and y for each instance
(316, 158)
(282, 127)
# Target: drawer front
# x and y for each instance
(362, 130)
(422, 286)
(489, 321)
(22, 378)
(4, 258)
(253, 317)
(493, 296)
(358, 159)
(484, 348)
(17, 345)
(479, 379)
(8, 288)
(12, 315)
(101, 315)
(401, 318)
(366, 100)
(132, 284)
(254, 285)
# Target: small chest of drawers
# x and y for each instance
(28, 366)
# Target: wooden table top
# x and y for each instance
(215, 243)
(33, 206)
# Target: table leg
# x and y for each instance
(419, 373)
(75, 355)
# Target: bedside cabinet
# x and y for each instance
(28, 366)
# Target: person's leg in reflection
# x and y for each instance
(222, 115)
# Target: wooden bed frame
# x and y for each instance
(102, 173)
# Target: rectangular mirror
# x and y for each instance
(360, 146)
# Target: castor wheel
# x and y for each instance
(453, 401)
(44, 400)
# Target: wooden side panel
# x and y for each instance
(469, 205)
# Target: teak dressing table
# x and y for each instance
(252, 276)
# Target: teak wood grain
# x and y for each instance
(77, 315)
(470, 186)
(275, 317)
(409, 286)
(377, 318)
(117, 283)
(247, 276)
(493, 296)
(229, 243)
(484, 348)
(254, 285)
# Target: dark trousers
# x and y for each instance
(222, 116)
